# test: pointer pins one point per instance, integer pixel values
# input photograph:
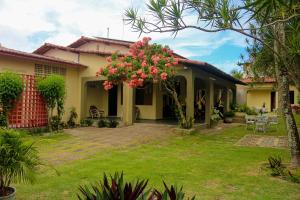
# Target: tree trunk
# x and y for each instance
(49, 119)
(179, 107)
(291, 127)
(282, 76)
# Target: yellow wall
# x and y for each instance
(97, 46)
(66, 55)
(256, 98)
(17, 65)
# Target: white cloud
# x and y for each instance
(62, 22)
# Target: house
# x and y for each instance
(262, 91)
(200, 85)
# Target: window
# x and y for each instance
(44, 70)
(292, 97)
(143, 95)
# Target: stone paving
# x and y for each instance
(90, 140)
(263, 141)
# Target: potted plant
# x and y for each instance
(228, 116)
(215, 117)
(18, 163)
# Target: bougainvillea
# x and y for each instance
(144, 62)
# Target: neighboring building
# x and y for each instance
(259, 92)
(201, 84)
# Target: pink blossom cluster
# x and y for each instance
(144, 62)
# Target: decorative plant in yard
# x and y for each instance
(118, 189)
(11, 87)
(144, 63)
(52, 88)
(18, 162)
(72, 118)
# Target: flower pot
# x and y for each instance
(214, 123)
(228, 120)
(11, 196)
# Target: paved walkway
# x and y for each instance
(263, 141)
(90, 140)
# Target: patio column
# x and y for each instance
(128, 105)
(209, 101)
(226, 100)
(190, 96)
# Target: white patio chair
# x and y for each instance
(273, 121)
(261, 123)
(250, 121)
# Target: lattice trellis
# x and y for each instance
(30, 109)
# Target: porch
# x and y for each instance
(198, 90)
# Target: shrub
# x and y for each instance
(18, 160)
(52, 88)
(86, 122)
(11, 87)
(72, 118)
(112, 123)
(102, 123)
(116, 188)
(229, 114)
(55, 123)
(216, 115)
(278, 169)
(3, 122)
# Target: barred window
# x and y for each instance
(44, 70)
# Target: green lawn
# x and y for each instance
(209, 166)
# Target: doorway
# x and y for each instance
(113, 101)
(273, 101)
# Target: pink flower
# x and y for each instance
(109, 59)
(112, 70)
(144, 63)
(139, 72)
(163, 76)
(140, 81)
(170, 52)
(107, 85)
(143, 76)
(133, 76)
(168, 65)
(153, 70)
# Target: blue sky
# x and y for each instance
(25, 25)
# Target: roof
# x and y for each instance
(36, 57)
(260, 80)
(47, 46)
(211, 69)
(82, 40)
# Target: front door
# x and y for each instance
(113, 101)
(273, 101)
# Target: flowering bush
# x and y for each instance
(144, 62)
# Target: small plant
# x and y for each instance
(112, 123)
(102, 123)
(86, 122)
(279, 170)
(229, 114)
(216, 115)
(55, 123)
(72, 118)
(169, 193)
(18, 161)
(114, 189)
(275, 164)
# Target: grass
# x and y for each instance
(209, 166)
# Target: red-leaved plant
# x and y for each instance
(144, 62)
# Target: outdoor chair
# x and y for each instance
(261, 123)
(273, 121)
(250, 121)
(95, 112)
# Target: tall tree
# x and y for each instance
(244, 17)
